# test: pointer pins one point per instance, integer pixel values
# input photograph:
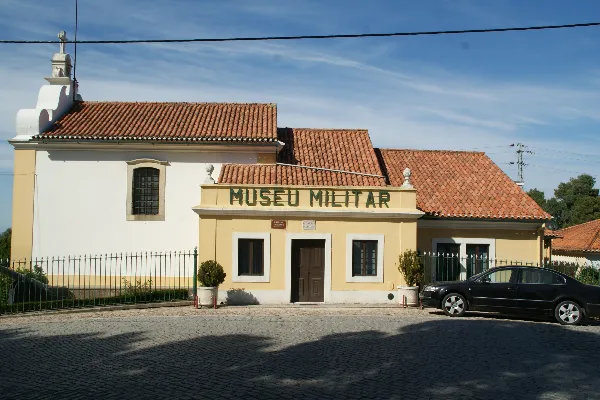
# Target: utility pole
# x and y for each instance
(521, 149)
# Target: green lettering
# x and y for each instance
(327, 198)
(235, 195)
(293, 203)
(384, 197)
(333, 203)
(264, 195)
(248, 202)
(347, 196)
(277, 198)
(370, 200)
(356, 194)
(316, 196)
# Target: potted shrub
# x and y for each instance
(412, 269)
(210, 276)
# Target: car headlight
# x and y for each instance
(431, 289)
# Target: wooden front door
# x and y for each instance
(308, 270)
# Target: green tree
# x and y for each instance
(574, 202)
(538, 196)
(5, 244)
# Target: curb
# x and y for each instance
(141, 306)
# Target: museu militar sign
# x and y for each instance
(276, 197)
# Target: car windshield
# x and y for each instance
(475, 277)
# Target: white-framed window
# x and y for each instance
(461, 258)
(146, 190)
(364, 258)
(251, 257)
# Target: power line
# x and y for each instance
(489, 147)
(569, 158)
(560, 169)
(302, 37)
(569, 152)
(75, 60)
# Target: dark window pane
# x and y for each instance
(356, 258)
(540, 277)
(145, 191)
(371, 258)
(251, 257)
(477, 258)
(257, 256)
(364, 258)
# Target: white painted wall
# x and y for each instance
(80, 201)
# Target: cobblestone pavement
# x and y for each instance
(288, 353)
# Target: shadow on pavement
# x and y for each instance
(453, 358)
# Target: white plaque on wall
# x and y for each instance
(309, 225)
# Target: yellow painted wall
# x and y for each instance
(399, 199)
(511, 245)
(22, 206)
(399, 235)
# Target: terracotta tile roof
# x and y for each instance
(289, 175)
(549, 233)
(167, 122)
(338, 149)
(583, 237)
(457, 184)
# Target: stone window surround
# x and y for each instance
(266, 276)
(378, 278)
(161, 166)
(463, 242)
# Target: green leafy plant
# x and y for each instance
(411, 267)
(147, 297)
(136, 288)
(36, 273)
(589, 275)
(211, 274)
(5, 285)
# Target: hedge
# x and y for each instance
(145, 297)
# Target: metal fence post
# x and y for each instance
(195, 282)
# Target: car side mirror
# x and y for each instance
(486, 280)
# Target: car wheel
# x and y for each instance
(454, 305)
(568, 313)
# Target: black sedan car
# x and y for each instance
(516, 290)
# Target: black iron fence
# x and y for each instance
(51, 283)
(453, 267)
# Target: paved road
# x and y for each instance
(415, 355)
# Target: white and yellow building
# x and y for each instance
(315, 215)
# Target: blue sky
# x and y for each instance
(470, 92)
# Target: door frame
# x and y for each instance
(288, 262)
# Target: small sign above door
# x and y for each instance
(309, 225)
(278, 224)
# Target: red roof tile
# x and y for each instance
(583, 237)
(291, 175)
(549, 233)
(337, 149)
(457, 184)
(166, 122)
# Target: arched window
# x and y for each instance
(146, 191)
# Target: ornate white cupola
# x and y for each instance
(54, 98)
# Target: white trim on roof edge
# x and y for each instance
(360, 213)
(148, 146)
